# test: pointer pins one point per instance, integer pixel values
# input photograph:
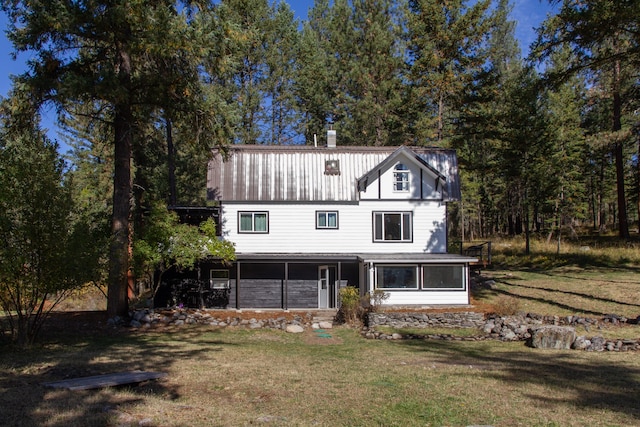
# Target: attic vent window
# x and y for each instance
(401, 178)
(332, 167)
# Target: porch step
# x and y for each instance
(325, 316)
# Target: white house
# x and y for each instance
(308, 220)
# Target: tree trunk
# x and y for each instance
(117, 301)
(617, 125)
(171, 160)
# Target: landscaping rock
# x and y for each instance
(581, 343)
(294, 329)
(325, 325)
(553, 337)
(597, 343)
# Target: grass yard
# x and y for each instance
(236, 377)
(239, 377)
(589, 279)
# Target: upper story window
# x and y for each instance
(392, 226)
(401, 178)
(326, 219)
(253, 222)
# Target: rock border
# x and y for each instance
(526, 327)
(521, 327)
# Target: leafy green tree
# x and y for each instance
(164, 243)
(46, 252)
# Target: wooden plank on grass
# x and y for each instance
(107, 380)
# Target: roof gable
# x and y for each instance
(363, 181)
(303, 173)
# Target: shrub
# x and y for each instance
(350, 306)
(505, 305)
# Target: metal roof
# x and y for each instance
(300, 173)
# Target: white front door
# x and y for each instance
(323, 286)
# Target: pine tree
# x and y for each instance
(352, 73)
(603, 36)
(105, 54)
(446, 47)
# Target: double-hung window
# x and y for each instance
(326, 219)
(401, 178)
(392, 227)
(253, 222)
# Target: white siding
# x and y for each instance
(427, 298)
(292, 228)
(425, 189)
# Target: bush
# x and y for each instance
(354, 308)
(350, 307)
(506, 306)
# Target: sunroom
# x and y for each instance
(419, 280)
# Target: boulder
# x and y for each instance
(326, 325)
(597, 343)
(294, 329)
(553, 337)
(581, 343)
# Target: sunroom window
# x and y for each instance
(392, 226)
(443, 277)
(401, 178)
(397, 277)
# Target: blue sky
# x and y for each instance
(528, 15)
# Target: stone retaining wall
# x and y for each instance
(426, 320)
(527, 327)
(524, 327)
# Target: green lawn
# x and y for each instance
(240, 377)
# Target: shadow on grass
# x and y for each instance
(596, 383)
(546, 260)
(66, 354)
(578, 294)
(481, 294)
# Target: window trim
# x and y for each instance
(416, 269)
(326, 214)
(404, 175)
(253, 222)
(383, 214)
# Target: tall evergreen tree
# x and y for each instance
(447, 48)
(603, 36)
(280, 112)
(478, 133)
(104, 52)
(567, 163)
(353, 75)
